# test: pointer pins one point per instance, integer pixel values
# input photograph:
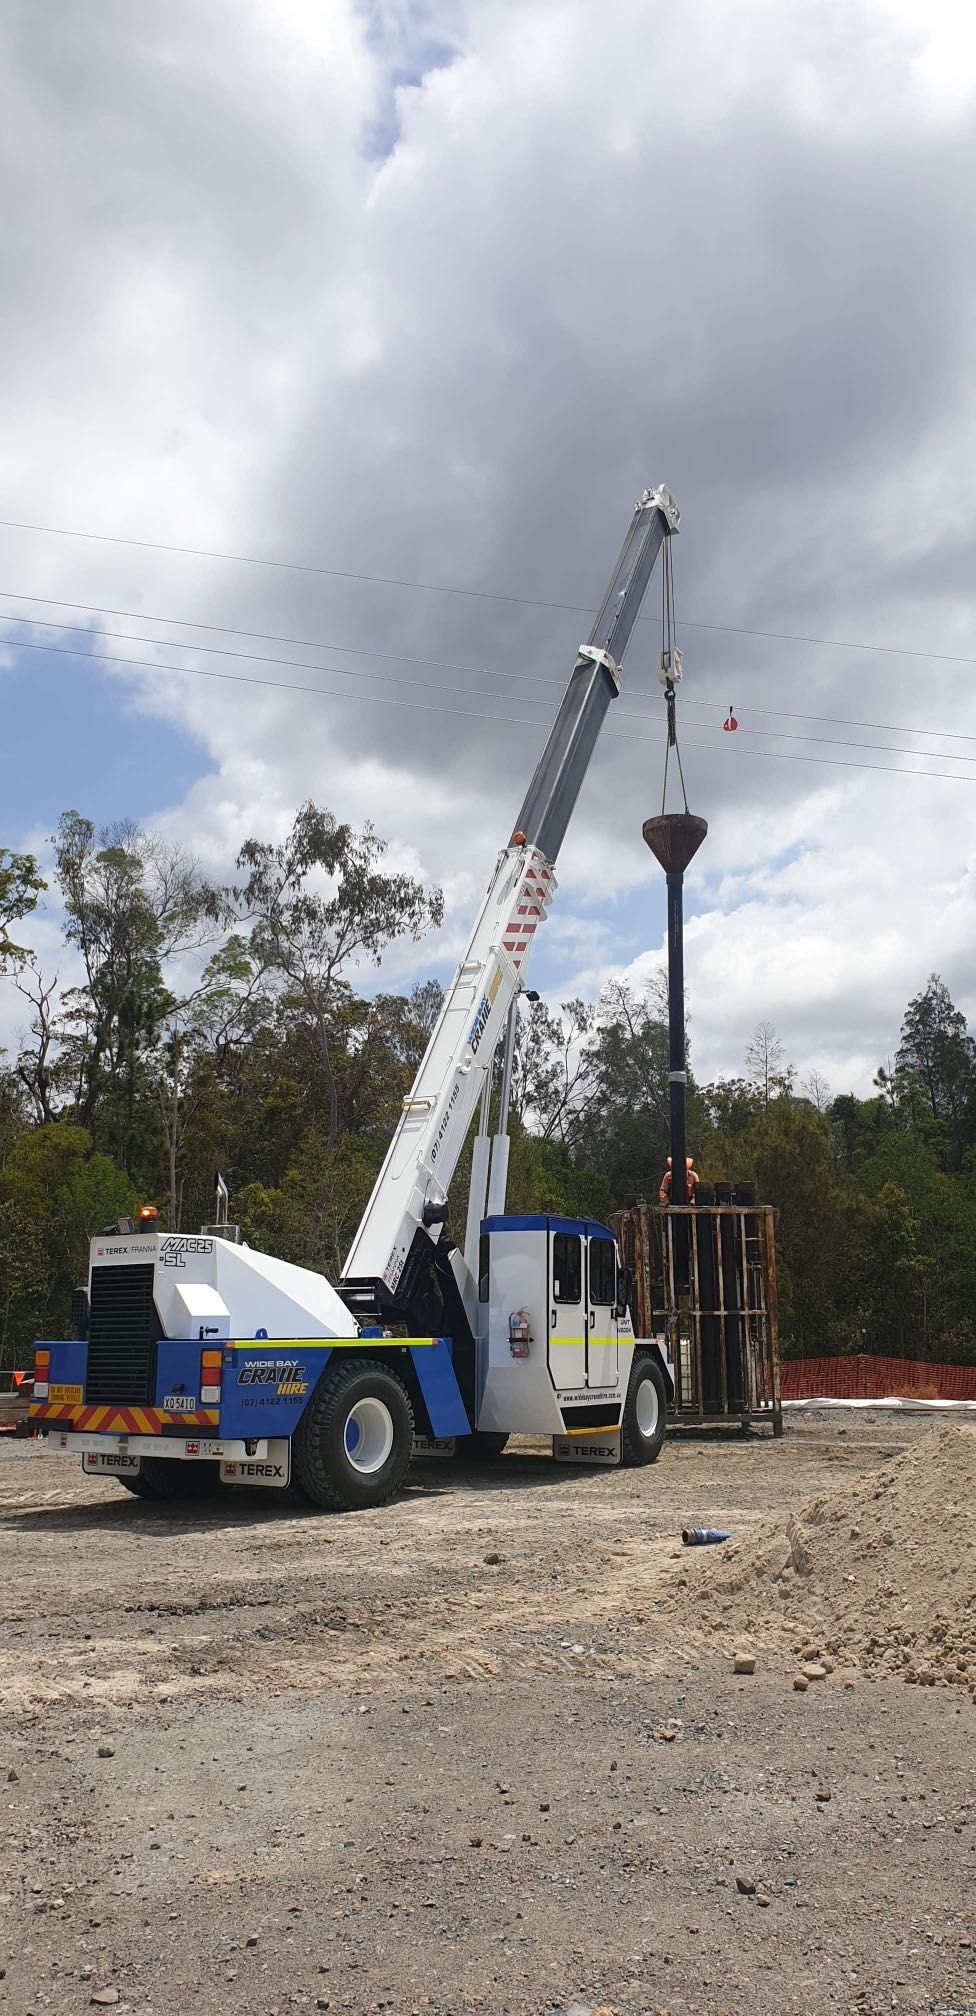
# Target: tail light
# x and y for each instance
(42, 1374)
(211, 1369)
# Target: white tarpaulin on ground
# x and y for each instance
(910, 1406)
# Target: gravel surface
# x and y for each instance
(467, 1753)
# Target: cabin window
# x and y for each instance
(567, 1267)
(603, 1273)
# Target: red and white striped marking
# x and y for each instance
(535, 895)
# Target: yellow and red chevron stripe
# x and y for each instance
(116, 1420)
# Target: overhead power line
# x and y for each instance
(525, 721)
(842, 721)
(228, 630)
(476, 594)
(263, 658)
(436, 664)
(437, 686)
(833, 762)
(273, 685)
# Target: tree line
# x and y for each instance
(239, 1026)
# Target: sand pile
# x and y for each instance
(880, 1573)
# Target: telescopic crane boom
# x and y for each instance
(403, 1220)
(202, 1363)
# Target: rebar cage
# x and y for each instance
(720, 1333)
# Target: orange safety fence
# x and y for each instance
(874, 1378)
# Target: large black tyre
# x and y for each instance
(484, 1446)
(139, 1486)
(645, 1414)
(166, 1477)
(353, 1443)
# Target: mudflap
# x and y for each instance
(95, 1463)
(432, 1445)
(440, 1391)
(601, 1446)
(266, 1473)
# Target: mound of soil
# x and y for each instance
(880, 1573)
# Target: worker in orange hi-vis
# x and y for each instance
(691, 1179)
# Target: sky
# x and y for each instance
(426, 292)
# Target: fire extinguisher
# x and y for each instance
(519, 1334)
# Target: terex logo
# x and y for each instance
(252, 1472)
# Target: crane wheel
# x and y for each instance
(484, 1446)
(353, 1443)
(162, 1477)
(645, 1414)
(140, 1486)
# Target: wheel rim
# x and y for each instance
(368, 1435)
(646, 1409)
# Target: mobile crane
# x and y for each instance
(203, 1363)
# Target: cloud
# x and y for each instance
(431, 292)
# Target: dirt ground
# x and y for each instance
(469, 1753)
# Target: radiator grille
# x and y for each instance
(122, 1335)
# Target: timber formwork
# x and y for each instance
(720, 1333)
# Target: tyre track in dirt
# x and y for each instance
(467, 1754)
(525, 1568)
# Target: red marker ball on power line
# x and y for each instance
(731, 724)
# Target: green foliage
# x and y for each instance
(789, 1153)
(13, 1111)
(936, 1067)
(230, 1030)
(858, 1129)
(543, 1176)
(20, 886)
(54, 1195)
(311, 1216)
(132, 902)
(894, 1267)
(623, 1128)
(304, 936)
